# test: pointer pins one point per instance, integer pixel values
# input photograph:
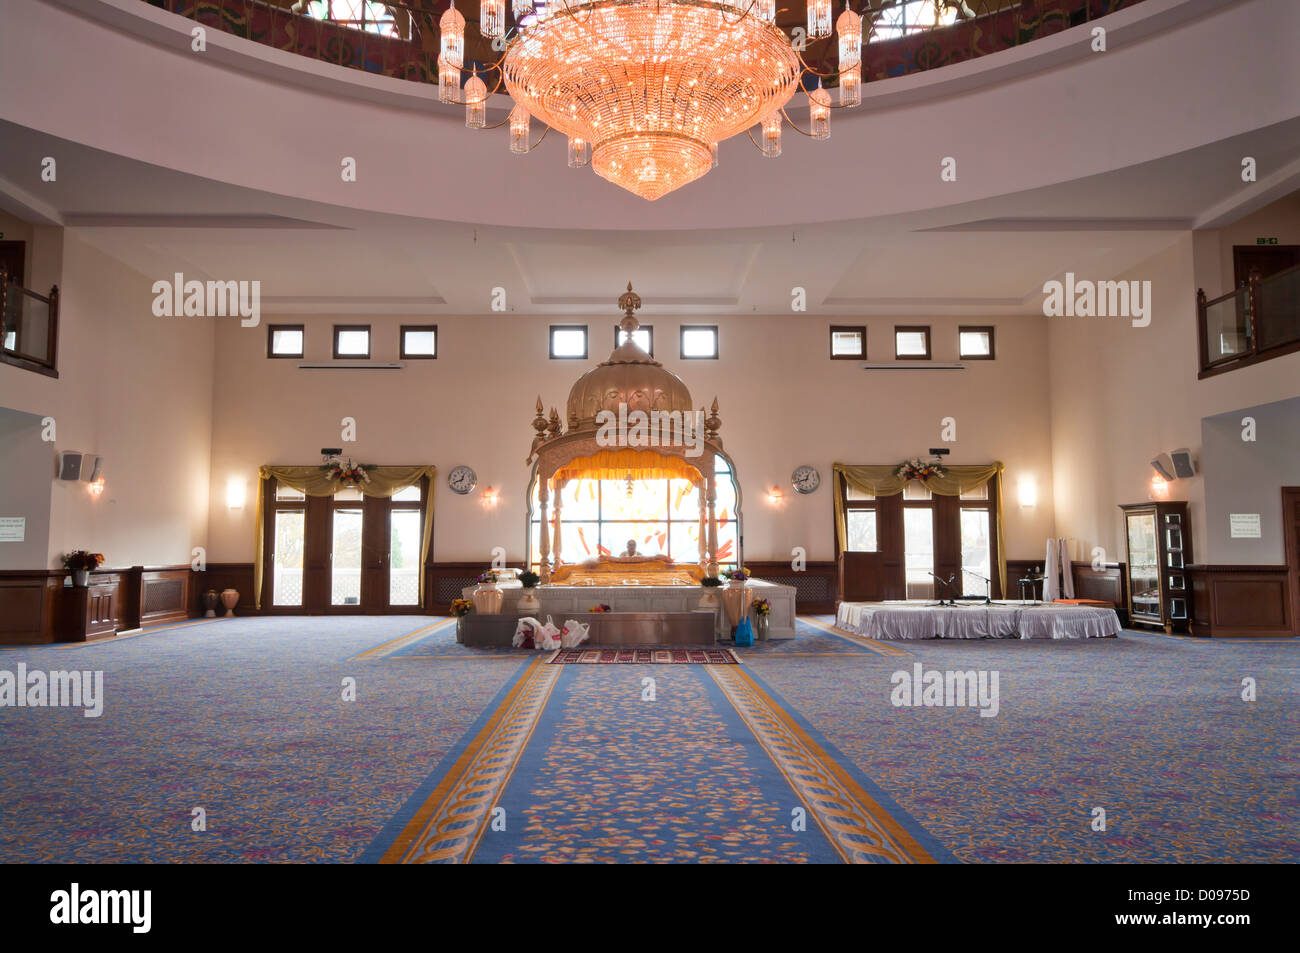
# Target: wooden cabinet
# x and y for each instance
(1158, 540)
(91, 612)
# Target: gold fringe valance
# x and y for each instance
(885, 481)
(313, 481)
(617, 464)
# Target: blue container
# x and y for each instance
(745, 632)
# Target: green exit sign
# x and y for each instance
(1266, 241)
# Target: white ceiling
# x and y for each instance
(987, 257)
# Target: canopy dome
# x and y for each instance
(630, 376)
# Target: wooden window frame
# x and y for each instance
(586, 342)
(648, 328)
(401, 342)
(370, 340)
(988, 329)
(913, 328)
(681, 342)
(851, 328)
(270, 342)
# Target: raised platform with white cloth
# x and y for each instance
(996, 620)
(561, 601)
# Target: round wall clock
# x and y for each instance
(806, 479)
(462, 480)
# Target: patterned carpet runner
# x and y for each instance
(645, 656)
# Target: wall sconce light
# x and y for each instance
(95, 487)
(235, 493)
(775, 496)
(1028, 492)
(490, 497)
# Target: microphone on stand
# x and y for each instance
(988, 598)
(946, 584)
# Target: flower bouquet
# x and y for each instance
(738, 575)
(461, 608)
(80, 563)
(914, 469)
(711, 582)
(529, 579)
(762, 612)
(349, 473)
(487, 578)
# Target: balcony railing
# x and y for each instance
(1258, 321)
(29, 327)
(899, 40)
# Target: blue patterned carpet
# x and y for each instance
(244, 718)
(1152, 728)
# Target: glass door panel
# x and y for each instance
(976, 557)
(345, 559)
(918, 551)
(1144, 565)
(286, 558)
(404, 558)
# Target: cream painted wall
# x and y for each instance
(783, 403)
(132, 387)
(25, 469)
(1123, 394)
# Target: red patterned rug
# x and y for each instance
(645, 656)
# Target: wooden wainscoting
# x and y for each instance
(444, 582)
(37, 606)
(219, 576)
(165, 595)
(816, 586)
(1241, 601)
(28, 605)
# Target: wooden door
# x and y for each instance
(1264, 259)
(1291, 541)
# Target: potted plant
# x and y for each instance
(761, 609)
(461, 608)
(528, 601)
(80, 563)
(737, 577)
(710, 598)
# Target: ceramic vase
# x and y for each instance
(529, 604)
(81, 578)
(210, 602)
(735, 600)
(229, 599)
(488, 598)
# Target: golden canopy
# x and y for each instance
(630, 377)
(630, 381)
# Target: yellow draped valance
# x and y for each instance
(616, 464)
(313, 481)
(885, 481)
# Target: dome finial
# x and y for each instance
(629, 301)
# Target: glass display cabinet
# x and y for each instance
(1159, 543)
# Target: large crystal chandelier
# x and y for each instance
(646, 89)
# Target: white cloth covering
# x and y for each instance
(1058, 577)
(912, 620)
